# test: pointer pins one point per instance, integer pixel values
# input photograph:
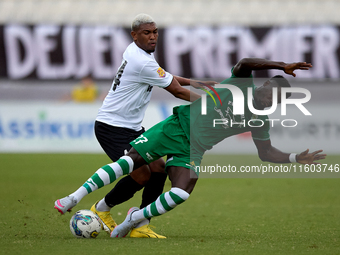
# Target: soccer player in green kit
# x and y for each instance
(187, 134)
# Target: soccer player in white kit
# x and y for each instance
(119, 122)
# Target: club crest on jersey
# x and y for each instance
(161, 72)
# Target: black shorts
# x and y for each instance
(115, 140)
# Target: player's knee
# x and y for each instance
(132, 153)
(141, 175)
(157, 166)
(137, 159)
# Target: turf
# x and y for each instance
(222, 216)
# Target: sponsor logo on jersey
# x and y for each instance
(161, 72)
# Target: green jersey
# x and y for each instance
(204, 131)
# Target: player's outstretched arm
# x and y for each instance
(269, 153)
(194, 83)
(246, 65)
(178, 91)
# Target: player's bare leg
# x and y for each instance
(152, 190)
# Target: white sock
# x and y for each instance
(142, 223)
(79, 193)
(102, 206)
(163, 204)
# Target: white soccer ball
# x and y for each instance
(85, 224)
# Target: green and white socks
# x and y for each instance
(109, 173)
(164, 203)
(104, 176)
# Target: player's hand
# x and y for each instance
(310, 158)
(290, 68)
(202, 84)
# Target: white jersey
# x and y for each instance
(130, 93)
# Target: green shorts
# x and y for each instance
(167, 138)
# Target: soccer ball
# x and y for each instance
(85, 224)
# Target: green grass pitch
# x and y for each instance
(222, 216)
